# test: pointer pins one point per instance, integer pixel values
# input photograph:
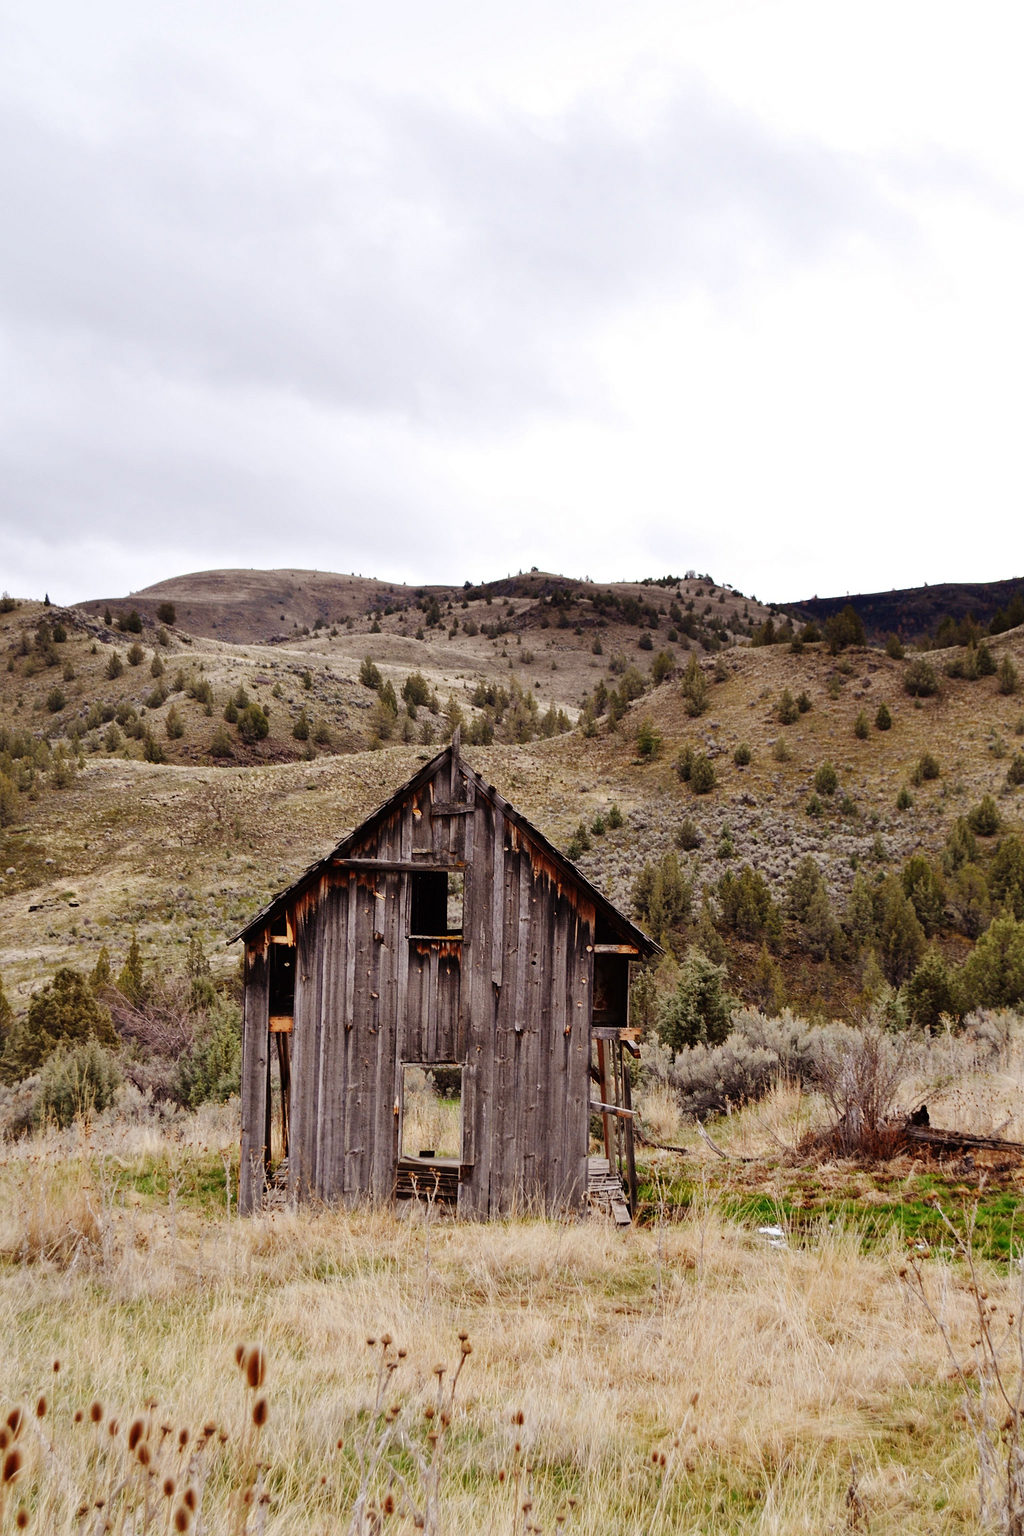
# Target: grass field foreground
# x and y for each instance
(788, 1386)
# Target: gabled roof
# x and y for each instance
(630, 932)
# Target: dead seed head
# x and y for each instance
(389, 1504)
(136, 1430)
(41, 1408)
(239, 1354)
(143, 1454)
(402, 1354)
(169, 1487)
(517, 1417)
(222, 1437)
(112, 1428)
(463, 1335)
(255, 1367)
(11, 1466)
(502, 1475)
(428, 1412)
(95, 1412)
(182, 1439)
(5, 1439)
(21, 1519)
(79, 1416)
(182, 1518)
(56, 1366)
(209, 1429)
(385, 1339)
(370, 1343)
(15, 1419)
(339, 1445)
(189, 1498)
(467, 1348)
(694, 1400)
(260, 1412)
(439, 1371)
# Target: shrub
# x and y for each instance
(210, 1070)
(369, 674)
(648, 740)
(253, 724)
(922, 884)
(75, 1084)
(826, 780)
(804, 885)
(231, 712)
(415, 690)
(135, 654)
(894, 647)
(579, 843)
(662, 897)
(803, 702)
(741, 756)
(814, 807)
(747, 906)
(920, 679)
(968, 899)
(322, 733)
(687, 837)
(645, 643)
(901, 936)
(614, 818)
(1006, 875)
(925, 769)
(698, 1011)
(221, 744)
(167, 613)
(63, 1012)
(702, 775)
(8, 801)
(152, 751)
(787, 709)
(696, 693)
(684, 763)
(55, 701)
(1015, 772)
(174, 724)
(984, 819)
(992, 976)
(115, 666)
(904, 800)
(133, 623)
(986, 661)
(859, 1074)
(860, 727)
(1009, 679)
(663, 665)
(843, 629)
(883, 719)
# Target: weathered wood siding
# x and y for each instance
(511, 1002)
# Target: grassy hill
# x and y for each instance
(98, 841)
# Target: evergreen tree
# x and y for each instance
(130, 982)
(1006, 875)
(901, 936)
(992, 976)
(699, 1011)
(860, 913)
(6, 1014)
(100, 976)
(64, 1011)
(931, 991)
(804, 885)
(922, 884)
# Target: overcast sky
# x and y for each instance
(438, 289)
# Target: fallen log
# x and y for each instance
(960, 1141)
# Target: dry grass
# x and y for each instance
(806, 1362)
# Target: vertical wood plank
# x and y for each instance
(255, 1063)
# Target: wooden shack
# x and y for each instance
(444, 938)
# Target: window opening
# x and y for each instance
(437, 904)
(431, 1112)
(282, 980)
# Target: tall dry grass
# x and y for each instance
(682, 1378)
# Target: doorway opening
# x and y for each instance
(429, 1130)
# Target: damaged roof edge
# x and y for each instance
(647, 946)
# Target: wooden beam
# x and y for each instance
(597, 1108)
(614, 949)
(395, 866)
(452, 808)
(613, 1032)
